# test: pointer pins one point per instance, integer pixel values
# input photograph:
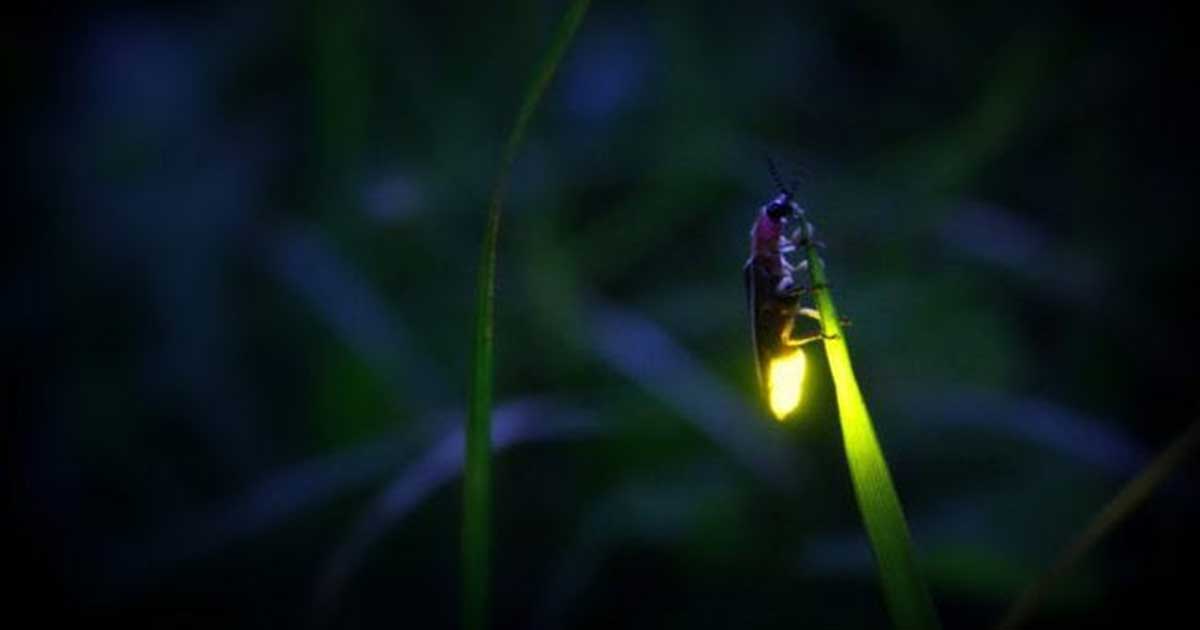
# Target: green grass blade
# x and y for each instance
(904, 589)
(477, 483)
(1131, 496)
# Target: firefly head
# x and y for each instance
(780, 209)
(772, 223)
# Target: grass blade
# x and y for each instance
(1131, 496)
(904, 589)
(477, 491)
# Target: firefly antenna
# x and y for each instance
(778, 180)
(790, 191)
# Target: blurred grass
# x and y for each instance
(477, 491)
(1131, 496)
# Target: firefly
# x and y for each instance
(773, 294)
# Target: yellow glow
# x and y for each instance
(784, 379)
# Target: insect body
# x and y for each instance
(773, 294)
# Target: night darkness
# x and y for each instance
(238, 298)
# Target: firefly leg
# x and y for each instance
(807, 338)
(813, 314)
(791, 292)
(801, 340)
(797, 311)
(800, 242)
(798, 239)
(790, 339)
(789, 295)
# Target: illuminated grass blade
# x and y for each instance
(477, 483)
(1131, 496)
(904, 589)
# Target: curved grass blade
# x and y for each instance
(904, 589)
(1131, 496)
(477, 493)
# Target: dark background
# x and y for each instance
(238, 291)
